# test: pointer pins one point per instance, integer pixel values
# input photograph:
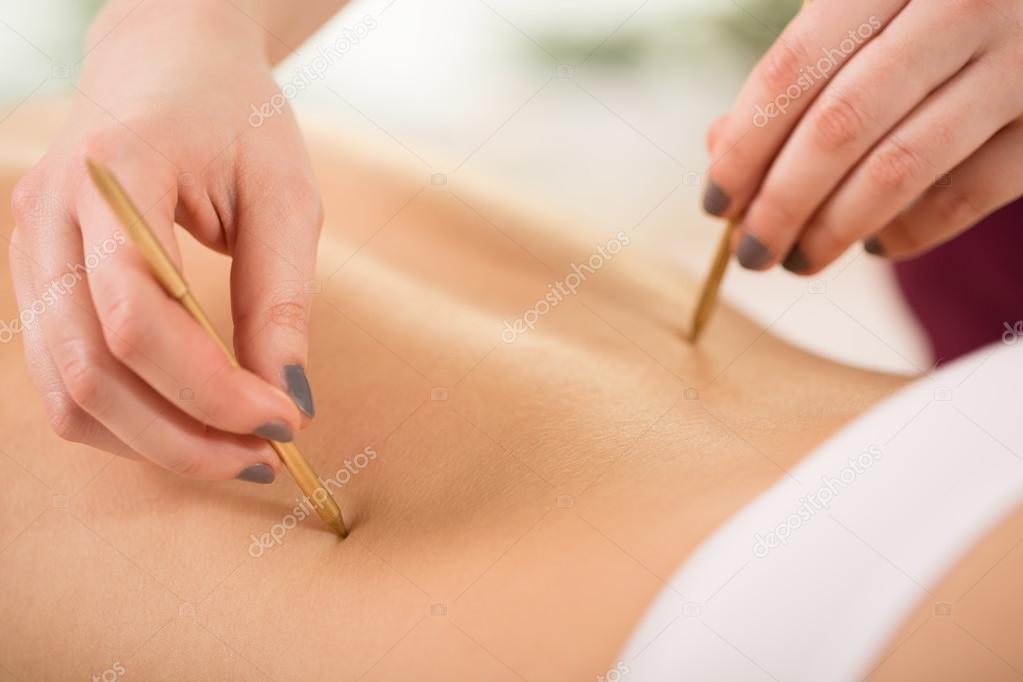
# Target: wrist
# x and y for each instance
(190, 24)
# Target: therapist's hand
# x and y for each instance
(895, 122)
(167, 100)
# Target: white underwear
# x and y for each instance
(812, 579)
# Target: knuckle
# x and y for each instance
(80, 371)
(838, 123)
(781, 66)
(894, 166)
(290, 314)
(122, 327)
(66, 418)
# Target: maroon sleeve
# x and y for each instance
(966, 291)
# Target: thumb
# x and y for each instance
(274, 260)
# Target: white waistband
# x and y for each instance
(812, 579)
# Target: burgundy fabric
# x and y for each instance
(967, 290)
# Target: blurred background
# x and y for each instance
(595, 110)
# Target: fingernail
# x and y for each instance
(752, 254)
(278, 431)
(257, 473)
(873, 247)
(298, 389)
(715, 199)
(796, 262)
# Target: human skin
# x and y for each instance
(910, 132)
(513, 524)
(164, 100)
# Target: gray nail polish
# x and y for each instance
(298, 389)
(257, 473)
(715, 199)
(752, 254)
(873, 246)
(278, 431)
(796, 261)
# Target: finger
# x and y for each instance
(984, 183)
(68, 420)
(860, 105)
(944, 131)
(142, 419)
(812, 49)
(129, 409)
(152, 335)
(274, 262)
(104, 389)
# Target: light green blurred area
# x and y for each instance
(722, 35)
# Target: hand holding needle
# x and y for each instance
(174, 283)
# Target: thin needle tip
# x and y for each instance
(339, 527)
